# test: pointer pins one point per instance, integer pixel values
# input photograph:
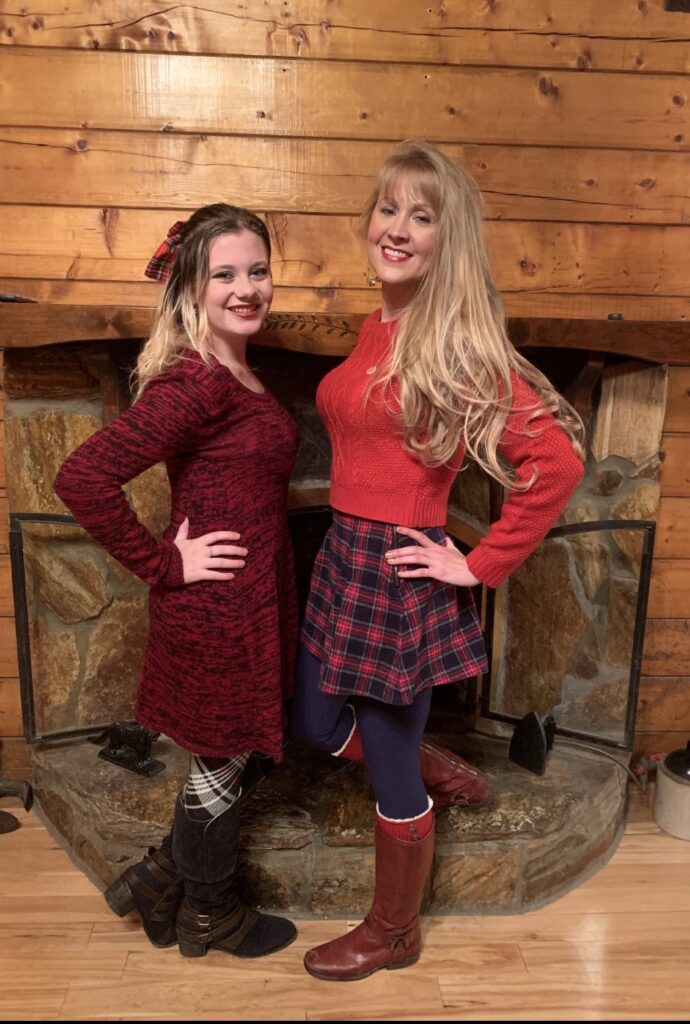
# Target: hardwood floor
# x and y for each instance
(616, 948)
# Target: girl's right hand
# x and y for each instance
(204, 557)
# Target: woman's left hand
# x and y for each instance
(438, 561)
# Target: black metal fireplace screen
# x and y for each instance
(564, 633)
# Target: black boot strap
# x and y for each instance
(221, 930)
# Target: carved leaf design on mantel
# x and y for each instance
(307, 322)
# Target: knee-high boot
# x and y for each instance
(211, 915)
(448, 778)
(389, 936)
(153, 888)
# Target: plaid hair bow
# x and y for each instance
(161, 263)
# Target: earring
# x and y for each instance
(371, 277)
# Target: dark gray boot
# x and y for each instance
(211, 915)
(153, 888)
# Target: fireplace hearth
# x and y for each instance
(307, 841)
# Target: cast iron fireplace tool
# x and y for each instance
(531, 741)
(8, 822)
(129, 745)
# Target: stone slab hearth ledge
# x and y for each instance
(307, 843)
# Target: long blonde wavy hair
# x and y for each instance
(180, 322)
(452, 357)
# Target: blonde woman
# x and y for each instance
(222, 604)
(433, 376)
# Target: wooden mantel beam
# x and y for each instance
(29, 325)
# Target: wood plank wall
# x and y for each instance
(663, 716)
(118, 117)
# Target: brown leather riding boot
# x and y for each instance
(448, 778)
(389, 936)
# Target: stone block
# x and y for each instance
(69, 577)
(622, 607)
(533, 666)
(275, 880)
(55, 670)
(112, 662)
(472, 880)
(641, 503)
(36, 445)
(592, 558)
(342, 881)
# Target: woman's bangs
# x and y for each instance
(410, 175)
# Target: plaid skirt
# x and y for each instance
(380, 636)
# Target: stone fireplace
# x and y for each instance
(308, 842)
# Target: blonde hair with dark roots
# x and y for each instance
(452, 356)
(180, 322)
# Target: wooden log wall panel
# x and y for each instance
(9, 667)
(10, 708)
(653, 743)
(330, 333)
(145, 294)
(4, 523)
(675, 466)
(560, 34)
(673, 529)
(663, 704)
(336, 99)
(667, 648)
(645, 308)
(669, 592)
(98, 168)
(678, 400)
(15, 758)
(78, 243)
(6, 599)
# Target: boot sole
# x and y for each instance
(199, 949)
(360, 977)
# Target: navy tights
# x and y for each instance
(391, 735)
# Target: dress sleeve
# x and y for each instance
(166, 420)
(540, 445)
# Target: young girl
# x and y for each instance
(222, 606)
(390, 615)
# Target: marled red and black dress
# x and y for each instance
(219, 658)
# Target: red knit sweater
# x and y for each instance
(372, 476)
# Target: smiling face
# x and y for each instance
(239, 291)
(400, 243)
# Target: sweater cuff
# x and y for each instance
(481, 565)
(171, 567)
